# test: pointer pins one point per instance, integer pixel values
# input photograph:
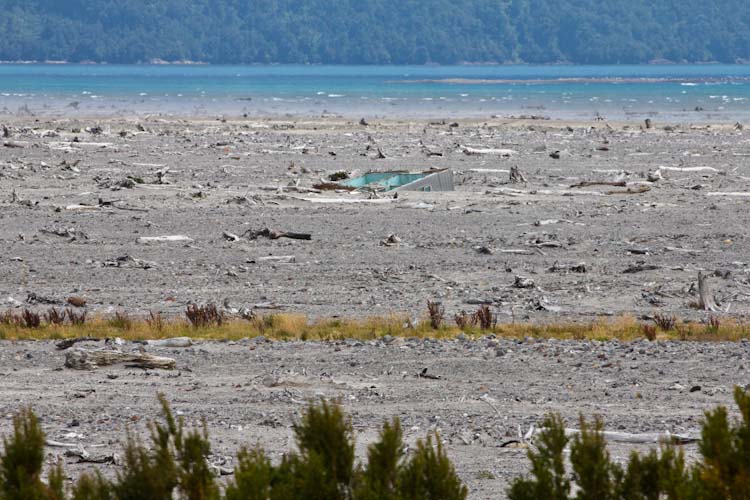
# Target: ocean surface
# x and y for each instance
(668, 92)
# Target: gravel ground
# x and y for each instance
(641, 252)
(251, 391)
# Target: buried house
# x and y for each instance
(427, 181)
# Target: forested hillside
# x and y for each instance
(376, 31)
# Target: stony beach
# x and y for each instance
(90, 196)
(612, 220)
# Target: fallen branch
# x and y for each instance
(173, 342)
(273, 258)
(58, 444)
(424, 374)
(599, 183)
(646, 438)
(514, 251)
(739, 194)
(164, 239)
(230, 236)
(65, 233)
(639, 268)
(689, 169)
(275, 235)
(630, 190)
(348, 200)
(490, 151)
(89, 359)
(707, 302)
(84, 457)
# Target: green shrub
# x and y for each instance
(722, 472)
(175, 466)
(380, 480)
(253, 477)
(92, 487)
(21, 463)
(429, 475)
(547, 466)
(326, 447)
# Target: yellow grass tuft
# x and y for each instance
(300, 327)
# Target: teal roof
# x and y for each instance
(383, 180)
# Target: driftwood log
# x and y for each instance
(507, 153)
(275, 235)
(622, 437)
(630, 190)
(173, 342)
(650, 437)
(89, 359)
(600, 183)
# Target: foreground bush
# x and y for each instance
(175, 466)
(722, 471)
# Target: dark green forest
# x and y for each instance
(376, 31)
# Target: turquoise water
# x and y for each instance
(694, 92)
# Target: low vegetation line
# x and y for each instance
(211, 323)
(176, 466)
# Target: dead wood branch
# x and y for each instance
(645, 438)
(599, 183)
(89, 359)
(640, 267)
(230, 236)
(707, 302)
(173, 342)
(505, 153)
(630, 190)
(424, 374)
(332, 186)
(275, 235)
(84, 457)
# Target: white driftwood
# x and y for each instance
(688, 169)
(646, 438)
(57, 444)
(274, 258)
(294, 189)
(164, 239)
(544, 192)
(489, 151)
(739, 194)
(173, 342)
(707, 302)
(348, 200)
(93, 145)
(89, 359)
(619, 437)
(83, 207)
(514, 251)
(489, 170)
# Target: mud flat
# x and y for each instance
(251, 391)
(131, 215)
